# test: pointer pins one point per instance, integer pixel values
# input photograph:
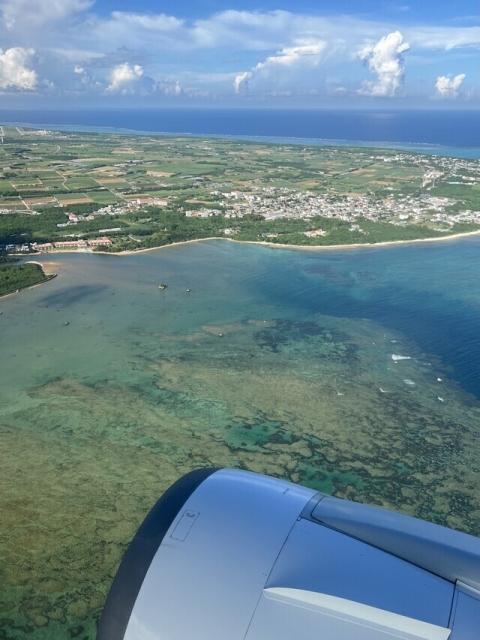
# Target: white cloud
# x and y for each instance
(124, 77)
(385, 60)
(271, 30)
(230, 29)
(14, 72)
(78, 69)
(170, 87)
(19, 13)
(247, 29)
(155, 23)
(240, 79)
(443, 38)
(69, 33)
(175, 89)
(448, 87)
(304, 53)
(152, 33)
(300, 53)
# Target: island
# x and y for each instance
(64, 191)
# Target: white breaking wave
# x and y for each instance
(395, 357)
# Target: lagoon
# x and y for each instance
(279, 361)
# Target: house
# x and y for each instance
(46, 246)
(71, 244)
(315, 233)
(96, 242)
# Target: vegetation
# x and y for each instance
(154, 190)
(18, 276)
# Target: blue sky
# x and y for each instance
(320, 53)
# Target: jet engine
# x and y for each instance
(234, 555)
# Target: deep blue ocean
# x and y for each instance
(452, 132)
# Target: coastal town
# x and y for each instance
(113, 192)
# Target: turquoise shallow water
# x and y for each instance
(279, 361)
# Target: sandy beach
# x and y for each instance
(275, 245)
(272, 245)
(48, 268)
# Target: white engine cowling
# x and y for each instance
(233, 555)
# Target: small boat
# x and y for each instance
(162, 286)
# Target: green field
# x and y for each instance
(286, 190)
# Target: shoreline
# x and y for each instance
(422, 148)
(48, 277)
(275, 245)
(272, 245)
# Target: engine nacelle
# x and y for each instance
(233, 555)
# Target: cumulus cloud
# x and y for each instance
(171, 88)
(14, 72)
(448, 87)
(66, 33)
(304, 53)
(124, 77)
(85, 80)
(240, 79)
(385, 60)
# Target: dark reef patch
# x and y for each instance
(309, 336)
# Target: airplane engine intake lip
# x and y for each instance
(139, 555)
